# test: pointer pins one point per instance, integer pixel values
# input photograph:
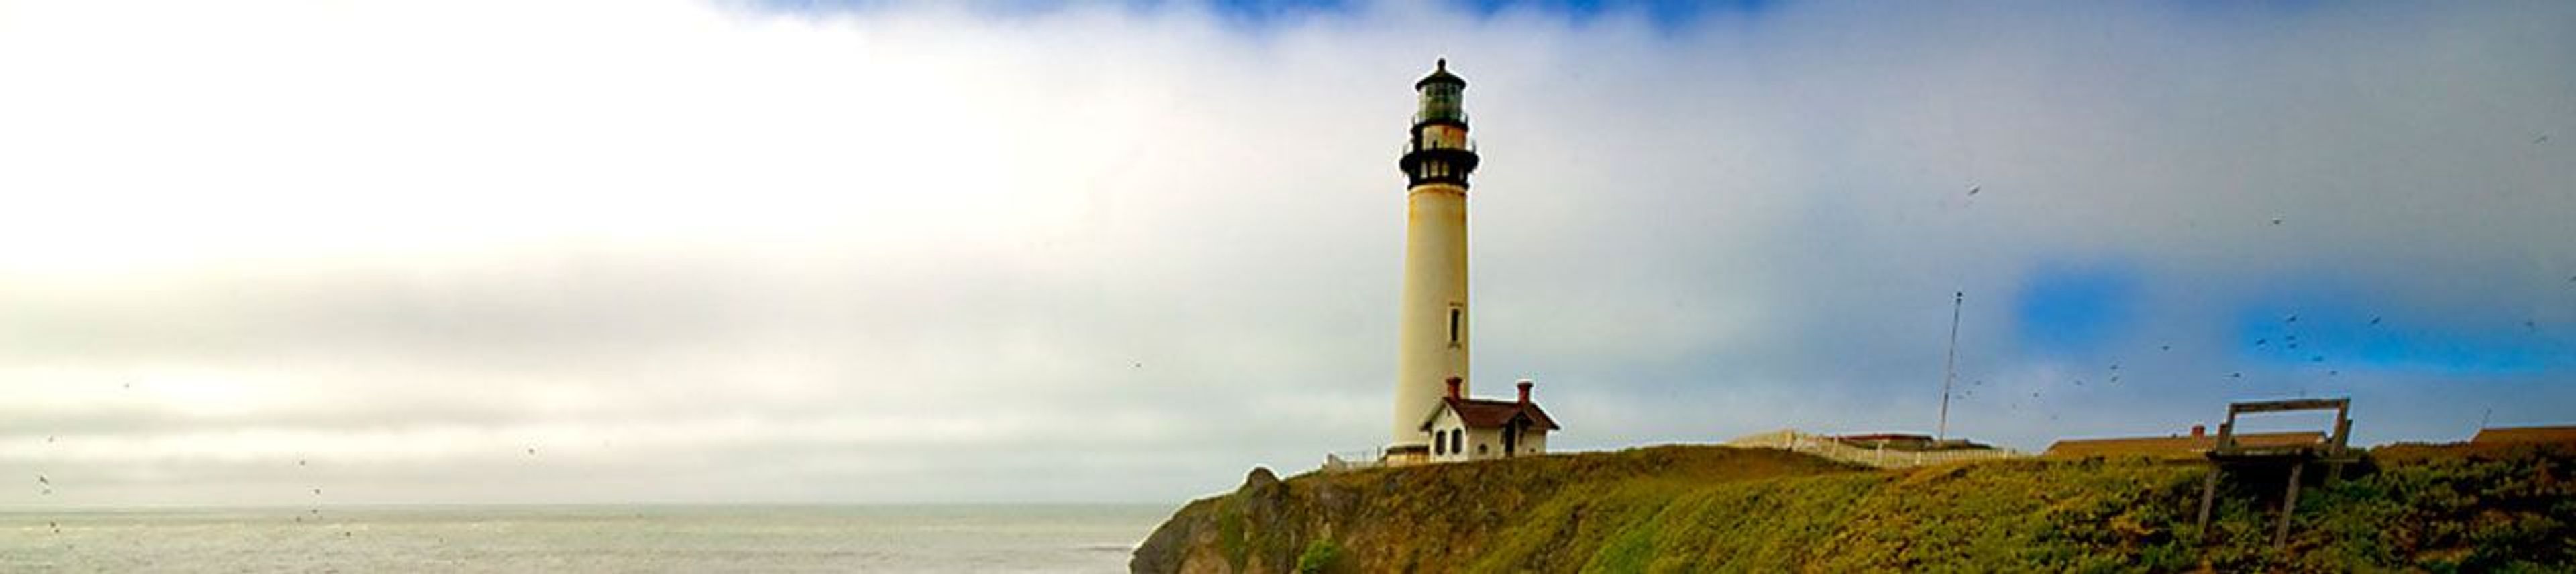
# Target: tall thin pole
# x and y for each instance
(1950, 367)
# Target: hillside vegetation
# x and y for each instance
(1721, 509)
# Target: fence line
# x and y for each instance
(1347, 461)
(1830, 447)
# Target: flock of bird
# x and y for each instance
(2289, 342)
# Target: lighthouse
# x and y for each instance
(1432, 329)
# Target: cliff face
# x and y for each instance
(1707, 508)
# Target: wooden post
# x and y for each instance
(2289, 504)
(2208, 495)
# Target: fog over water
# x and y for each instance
(682, 251)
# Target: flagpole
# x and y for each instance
(1950, 367)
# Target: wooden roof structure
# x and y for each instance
(2526, 435)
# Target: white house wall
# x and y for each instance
(1447, 420)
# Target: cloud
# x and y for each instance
(747, 251)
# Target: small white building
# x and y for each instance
(1464, 429)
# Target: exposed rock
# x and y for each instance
(1259, 477)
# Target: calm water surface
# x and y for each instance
(869, 538)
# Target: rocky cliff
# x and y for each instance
(1709, 508)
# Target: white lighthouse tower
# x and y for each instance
(1432, 337)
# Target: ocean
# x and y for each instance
(601, 538)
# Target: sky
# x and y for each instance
(487, 251)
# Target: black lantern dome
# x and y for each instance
(1438, 150)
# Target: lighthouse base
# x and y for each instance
(1405, 455)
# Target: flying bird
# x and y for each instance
(2544, 138)
(40, 479)
(532, 451)
(1973, 189)
(2374, 321)
(2276, 221)
(2168, 347)
(317, 492)
(2260, 342)
(2293, 318)
(2236, 375)
(2317, 359)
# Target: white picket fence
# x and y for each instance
(1828, 447)
(1347, 461)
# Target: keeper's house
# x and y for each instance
(1464, 429)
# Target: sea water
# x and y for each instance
(712, 538)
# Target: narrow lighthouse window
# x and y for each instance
(1454, 315)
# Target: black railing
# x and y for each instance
(1410, 147)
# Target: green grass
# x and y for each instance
(1320, 557)
(1716, 509)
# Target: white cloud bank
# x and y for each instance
(704, 252)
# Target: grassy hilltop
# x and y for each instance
(1716, 509)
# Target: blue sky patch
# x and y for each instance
(2069, 309)
(2333, 334)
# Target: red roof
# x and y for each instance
(1489, 414)
(2565, 434)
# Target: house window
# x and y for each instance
(1480, 449)
(1457, 436)
(1440, 442)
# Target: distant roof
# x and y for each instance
(2565, 434)
(1907, 442)
(2175, 446)
(1480, 413)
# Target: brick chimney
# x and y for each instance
(1525, 387)
(1453, 386)
(2198, 431)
